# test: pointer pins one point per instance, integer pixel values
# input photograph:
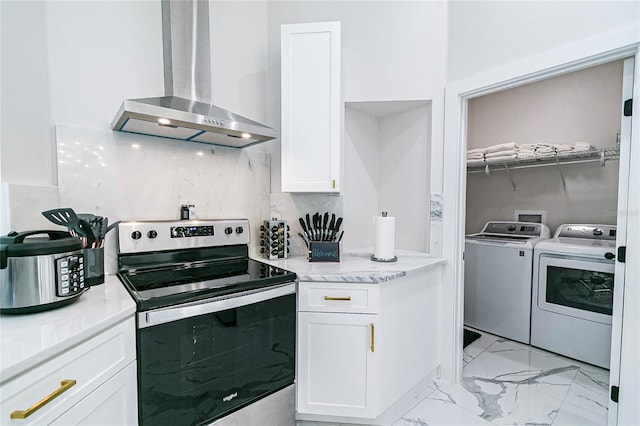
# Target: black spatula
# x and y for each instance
(65, 217)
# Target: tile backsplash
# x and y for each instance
(125, 176)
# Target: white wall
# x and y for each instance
(580, 106)
(73, 63)
(488, 34)
(239, 59)
(70, 62)
(362, 177)
(391, 50)
(386, 151)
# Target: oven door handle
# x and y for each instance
(175, 313)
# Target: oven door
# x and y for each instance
(201, 361)
(576, 286)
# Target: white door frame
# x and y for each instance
(606, 47)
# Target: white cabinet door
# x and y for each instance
(337, 365)
(113, 403)
(311, 107)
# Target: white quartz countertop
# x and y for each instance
(29, 339)
(357, 267)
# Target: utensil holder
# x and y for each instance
(324, 251)
(93, 266)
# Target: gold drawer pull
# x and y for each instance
(64, 386)
(337, 298)
(373, 336)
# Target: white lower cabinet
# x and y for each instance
(113, 403)
(366, 350)
(90, 383)
(337, 364)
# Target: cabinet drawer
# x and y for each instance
(338, 297)
(89, 364)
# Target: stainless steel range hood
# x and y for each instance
(186, 111)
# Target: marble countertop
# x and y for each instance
(29, 339)
(357, 267)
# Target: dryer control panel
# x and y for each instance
(587, 231)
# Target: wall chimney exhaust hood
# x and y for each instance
(186, 111)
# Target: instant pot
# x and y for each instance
(39, 270)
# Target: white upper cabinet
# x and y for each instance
(311, 107)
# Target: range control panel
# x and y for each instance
(139, 237)
(274, 239)
(70, 275)
(191, 231)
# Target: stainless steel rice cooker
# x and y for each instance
(39, 270)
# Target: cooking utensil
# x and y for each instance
(89, 237)
(65, 217)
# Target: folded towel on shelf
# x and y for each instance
(475, 161)
(504, 153)
(501, 158)
(526, 147)
(581, 146)
(502, 147)
(545, 150)
(564, 148)
(525, 155)
(477, 151)
(474, 156)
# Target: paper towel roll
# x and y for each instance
(384, 237)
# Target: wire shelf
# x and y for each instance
(590, 156)
(601, 156)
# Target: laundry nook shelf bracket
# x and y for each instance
(564, 184)
(513, 183)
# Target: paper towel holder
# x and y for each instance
(377, 259)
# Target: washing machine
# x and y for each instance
(572, 300)
(498, 264)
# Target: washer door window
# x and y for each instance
(577, 287)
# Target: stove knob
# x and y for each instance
(228, 230)
(511, 228)
(152, 234)
(239, 230)
(597, 231)
(136, 235)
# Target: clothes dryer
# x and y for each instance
(498, 265)
(572, 300)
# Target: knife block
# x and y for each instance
(324, 251)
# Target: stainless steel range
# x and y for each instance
(216, 329)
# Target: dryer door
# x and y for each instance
(577, 287)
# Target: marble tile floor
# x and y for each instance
(509, 383)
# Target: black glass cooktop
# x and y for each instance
(155, 287)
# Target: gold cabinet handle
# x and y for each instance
(64, 386)
(333, 183)
(337, 298)
(373, 338)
